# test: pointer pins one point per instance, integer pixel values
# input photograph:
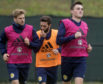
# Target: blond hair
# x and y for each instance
(18, 12)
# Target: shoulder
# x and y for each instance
(65, 20)
(85, 24)
(54, 31)
(8, 28)
(27, 25)
(38, 32)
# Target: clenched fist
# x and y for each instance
(89, 48)
(78, 34)
(5, 57)
(26, 41)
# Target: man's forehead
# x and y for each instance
(78, 5)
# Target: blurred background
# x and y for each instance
(59, 9)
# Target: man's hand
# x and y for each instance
(78, 34)
(89, 48)
(55, 51)
(5, 57)
(26, 41)
(43, 34)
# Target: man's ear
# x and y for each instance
(71, 11)
(14, 19)
(49, 25)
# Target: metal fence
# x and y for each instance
(95, 37)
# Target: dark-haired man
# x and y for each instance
(47, 57)
(72, 37)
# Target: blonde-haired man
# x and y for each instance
(17, 54)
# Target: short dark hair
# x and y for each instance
(76, 3)
(46, 19)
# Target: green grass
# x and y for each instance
(50, 7)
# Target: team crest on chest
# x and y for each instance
(19, 49)
(80, 42)
(48, 55)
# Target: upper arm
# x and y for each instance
(3, 38)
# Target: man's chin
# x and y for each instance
(79, 17)
(22, 24)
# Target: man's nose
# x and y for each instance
(42, 28)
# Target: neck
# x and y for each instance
(48, 30)
(18, 25)
(76, 19)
